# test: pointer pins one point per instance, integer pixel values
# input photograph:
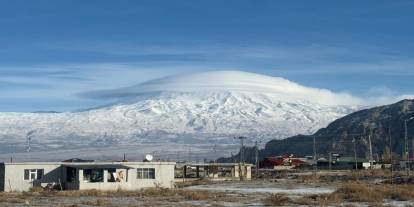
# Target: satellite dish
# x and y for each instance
(149, 157)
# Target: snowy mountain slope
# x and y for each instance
(199, 108)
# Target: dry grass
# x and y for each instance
(349, 192)
(195, 195)
(36, 189)
(305, 201)
(103, 198)
(12, 198)
(163, 194)
(192, 183)
(277, 200)
(362, 192)
(101, 202)
(384, 173)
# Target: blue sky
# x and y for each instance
(52, 50)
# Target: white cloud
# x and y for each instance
(251, 83)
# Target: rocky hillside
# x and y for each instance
(381, 122)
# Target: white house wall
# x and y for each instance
(55, 172)
(164, 177)
(14, 175)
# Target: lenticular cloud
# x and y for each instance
(236, 81)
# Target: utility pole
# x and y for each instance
(315, 161)
(241, 148)
(330, 161)
(371, 162)
(391, 161)
(241, 161)
(257, 158)
(407, 153)
(355, 154)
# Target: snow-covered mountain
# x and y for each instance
(200, 108)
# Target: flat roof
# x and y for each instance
(98, 166)
(214, 164)
(88, 163)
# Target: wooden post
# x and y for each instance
(10, 186)
(60, 184)
(184, 171)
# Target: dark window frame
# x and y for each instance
(146, 173)
(38, 174)
(95, 175)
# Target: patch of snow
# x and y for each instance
(199, 109)
(296, 190)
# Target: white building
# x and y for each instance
(86, 175)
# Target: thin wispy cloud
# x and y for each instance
(62, 80)
(55, 50)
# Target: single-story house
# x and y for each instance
(22, 176)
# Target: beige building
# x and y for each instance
(215, 171)
(86, 175)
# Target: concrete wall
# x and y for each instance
(14, 175)
(2, 177)
(55, 173)
(164, 177)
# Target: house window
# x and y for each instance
(70, 175)
(112, 176)
(33, 174)
(93, 175)
(146, 173)
(117, 176)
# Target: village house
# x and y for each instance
(285, 162)
(86, 175)
(214, 171)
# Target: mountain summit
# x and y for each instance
(206, 108)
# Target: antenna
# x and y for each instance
(189, 154)
(124, 160)
(28, 144)
(29, 139)
(215, 152)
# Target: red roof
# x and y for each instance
(281, 161)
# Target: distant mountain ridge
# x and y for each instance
(384, 121)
